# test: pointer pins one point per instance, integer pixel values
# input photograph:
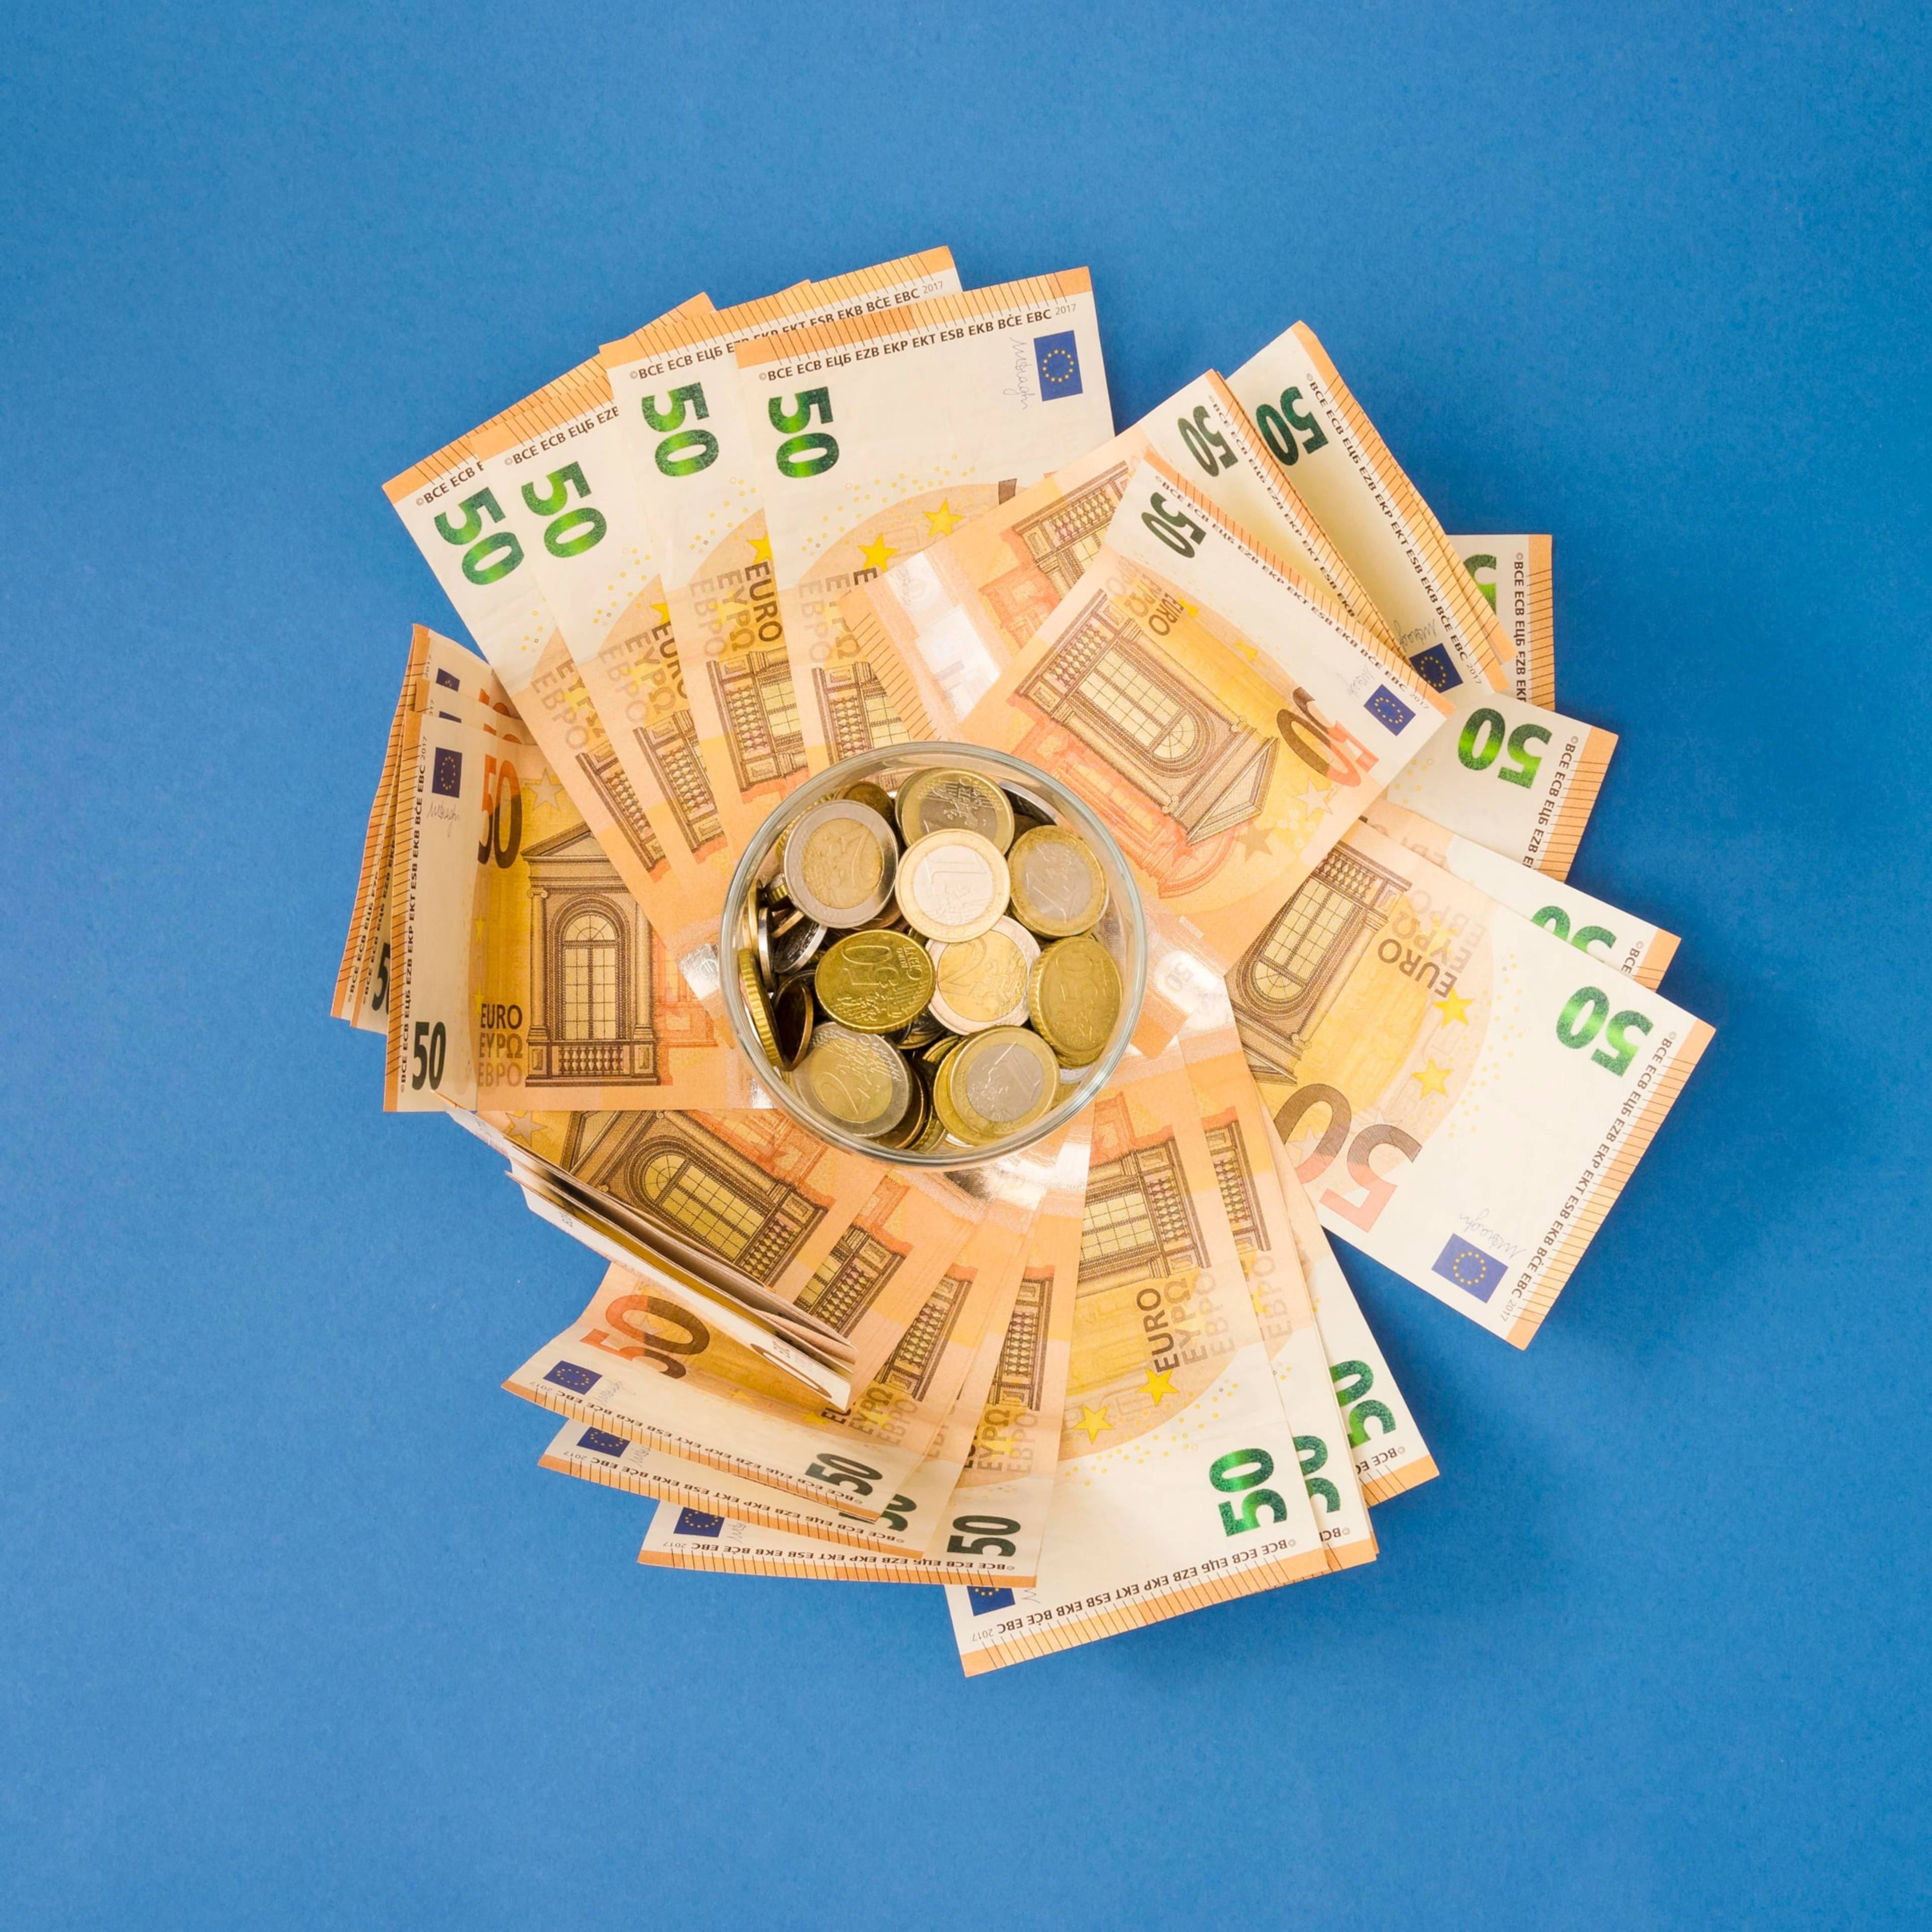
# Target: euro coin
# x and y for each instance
(997, 1084)
(840, 861)
(793, 1013)
(762, 944)
(919, 1034)
(758, 1004)
(1058, 888)
(795, 946)
(918, 1117)
(951, 885)
(866, 793)
(982, 982)
(1073, 998)
(854, 1080)
(943, 800)
(877, 982)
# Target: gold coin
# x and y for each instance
(1073, 997)
(943, 800)
(934, 1055)
(1058, 887)
(854, 1080)
(952, 885)
(840, 859)
(997, 1084)
(758, 1004)
(866, 793)
(877, 982)
(793, 1013)
(983, 981)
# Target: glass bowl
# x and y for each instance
(1122, 930)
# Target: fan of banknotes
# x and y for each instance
(1119, 1375)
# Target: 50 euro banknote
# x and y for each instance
(926, 1399)
(1464, 1094)
(975, 1509)
(1512, 776)
(850, 1244)
(470, 525)
(1225, 721)
(1179, 1480)
(1514, 574)
(526, 975)
(1373, 515)
(1639, 947)
(701, 472)
(1254, 1205)
(441, 677)
(935, 629)
(881, 433)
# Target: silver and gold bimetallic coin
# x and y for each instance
(941, 800)
(877, 982)
(1073, 999)
(854, 1080)
(952, 885)
(995, 1084)
(1058, 888)
(982, 982)
(840, 863)
(758, 1003)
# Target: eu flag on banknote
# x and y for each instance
(1057, 359)
(603, 1442)
(1438, 668)
(985, 1600)
(567, 1375)
(1386, 708)
(446, 778)
(698, 1523)
(1469, 1268)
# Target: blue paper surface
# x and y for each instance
(292, 1629)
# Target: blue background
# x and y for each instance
(293, 1629)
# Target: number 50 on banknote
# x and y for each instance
(1463, 1095)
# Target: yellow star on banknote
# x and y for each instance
(1093, 1420)
(761, 550)
(1160, 1385)
(663, 610)
(876, 552)
(1257, 842)
(939, 523)
(546, 791)
(1434, 1079)
(521, 1128)
(1452, 1006)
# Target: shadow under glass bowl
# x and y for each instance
(1122, 930)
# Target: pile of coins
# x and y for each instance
(923, 968)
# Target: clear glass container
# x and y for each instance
(1122, 930)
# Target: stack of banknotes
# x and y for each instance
(1120, 1375)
